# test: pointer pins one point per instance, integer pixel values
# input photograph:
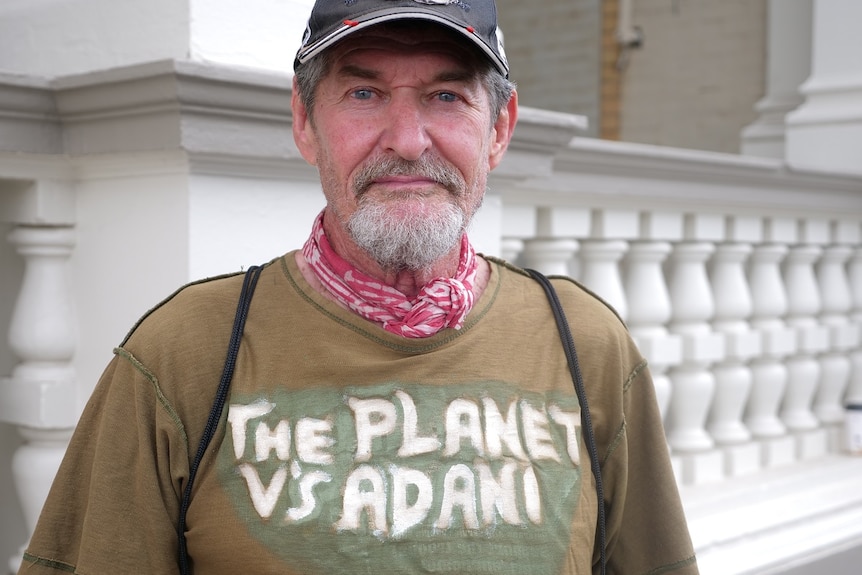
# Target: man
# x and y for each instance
(399, 404)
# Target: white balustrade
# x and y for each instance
(39, 397)
(769, 374)
(843, 336)
(693, 384)
(553, 249)
(511, 248)
(600, 271)
(854, 273)
(803, 307)
(649, 311)
(733, 377)
(549, 256)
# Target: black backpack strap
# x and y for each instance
(586, 420)
(248, 285)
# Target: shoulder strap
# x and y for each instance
(586, 420)
(248, 285)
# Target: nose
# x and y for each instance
(405, 127)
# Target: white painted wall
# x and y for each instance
(239, 222)
(52, 38)
(258, 33)
(137, 228)
(59, 37)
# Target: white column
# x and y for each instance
(854, 272)
(548, 255)
(803, 308)
(834, 362)
(600, 271)
(693, 384)
(733, 307)
(511, 248)
(553, 248)
(518, 223)
(825, 132)
(788, 64)
(769, 299)
(39, 398)
(649, 312)
(648, 299)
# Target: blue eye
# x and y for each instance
(447, 97)
(363, 94)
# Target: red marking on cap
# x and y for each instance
(470, 29)
(350, 23)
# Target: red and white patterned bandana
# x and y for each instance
(442, 302)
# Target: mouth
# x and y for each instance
(405, 185)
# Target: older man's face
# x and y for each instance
(403, 138)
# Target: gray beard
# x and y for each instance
(397, 243)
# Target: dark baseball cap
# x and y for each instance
(334, 20)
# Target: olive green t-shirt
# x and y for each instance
(345, 449)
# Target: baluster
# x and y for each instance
(549, 256)
(803, 369)
(834, 362)
(769, 304)
(693, 385)
(854, 271)
(39, 397)
(600, 255)
(649, 309)
(769, 374)
(733, 307)
(552, 250)
(518, 224)
(511, 248)
(601, 273)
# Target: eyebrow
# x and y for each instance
(354, 71)
(452, 75)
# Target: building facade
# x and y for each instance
(146, 144)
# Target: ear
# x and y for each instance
(501, 134)
(303, 131)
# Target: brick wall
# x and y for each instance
(693, 84)
(554, 53)
(700, 72)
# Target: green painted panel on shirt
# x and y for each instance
(459, 479)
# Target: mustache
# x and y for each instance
(430, 167)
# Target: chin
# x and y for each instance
(403, 237)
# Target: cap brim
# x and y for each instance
(373, 18)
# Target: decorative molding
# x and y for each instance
(158, 106)
(598, 173)
(29, 122)
(42, 202)
(196, 107)
(539, 136)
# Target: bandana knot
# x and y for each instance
(442, 302)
